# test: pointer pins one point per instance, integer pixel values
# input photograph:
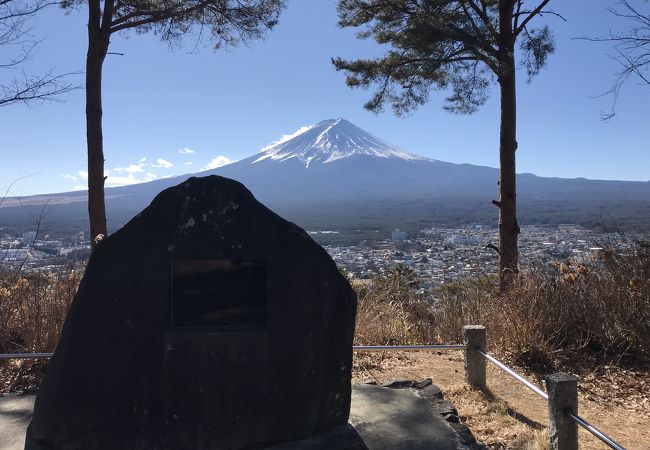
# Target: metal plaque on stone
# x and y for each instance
(218, 294)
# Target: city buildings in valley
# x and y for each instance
(437, 255)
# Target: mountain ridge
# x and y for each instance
(336, 166)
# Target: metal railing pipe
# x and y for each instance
(371, 348)
(515, 375)
(25, 355)
(596, 432)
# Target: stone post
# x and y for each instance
(562, 400)
(475, 339)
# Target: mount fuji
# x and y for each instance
(334, 174)
(336, 161)
(329, 141)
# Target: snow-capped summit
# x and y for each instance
(334, 175)
(331, 140)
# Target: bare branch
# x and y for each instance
(15, 32)
(632, 50)
(23, 55)
(8, 190)
(12, 10)
(38, 222)
(46, 87)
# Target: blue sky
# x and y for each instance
(165, 109)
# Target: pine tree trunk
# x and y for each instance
(97, 48)
(508, 227)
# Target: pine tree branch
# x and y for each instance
(531, 15)
(483, 43)
(150, 17)
(517, 14)
(482, 13)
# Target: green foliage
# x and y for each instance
(455, 45)
(400, 280)
(536, 47)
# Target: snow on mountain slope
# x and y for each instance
(331, 140)
(335, 171)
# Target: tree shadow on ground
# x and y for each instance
(489, 396)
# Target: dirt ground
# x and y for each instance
(510, 416)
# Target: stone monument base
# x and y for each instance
(400, 415)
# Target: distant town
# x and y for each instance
(31, 251)
(437, 255)
(443, 255)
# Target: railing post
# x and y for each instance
(475, 339)
(562, 400)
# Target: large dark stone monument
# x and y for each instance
(207, 322)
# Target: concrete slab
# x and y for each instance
(400, 419)
(381, 418)
(15, 415)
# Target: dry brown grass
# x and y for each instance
(553, 313)
(559, 311)
(592, 320)
(391, 312)
(508, 415)
(33, 307)
(495, 422)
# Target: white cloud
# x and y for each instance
(70, 177)
(122, 181)
(113, 181)
(185, 151)
(287, 137)
(188, 163)
(162, 163)
(219, 161)
(144, 159)
(118, 180)
(131, 168)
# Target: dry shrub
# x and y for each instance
(533, 440)
(596, 308)
(466, 302)
(391, 311)
(33, 307)
(603, 307)
(554, 311)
